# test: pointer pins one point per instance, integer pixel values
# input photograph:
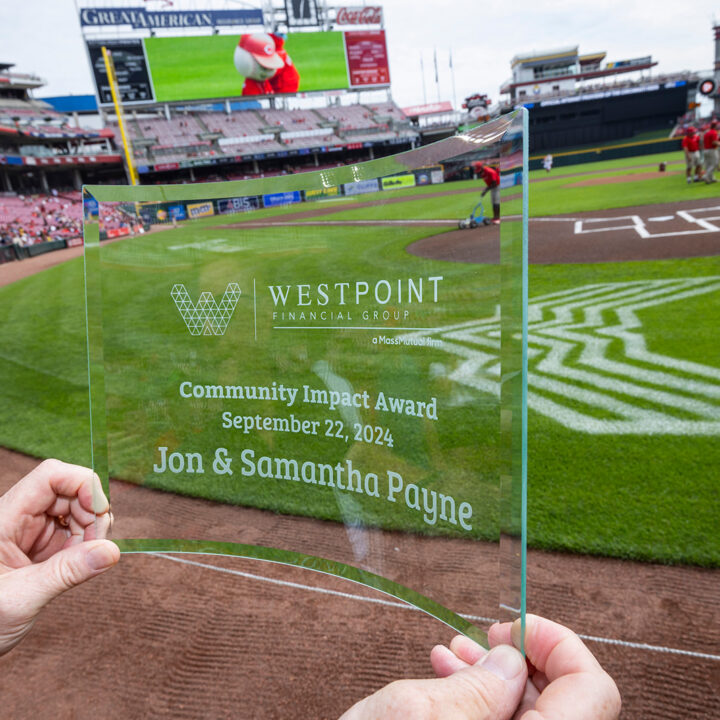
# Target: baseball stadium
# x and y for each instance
(357, 377)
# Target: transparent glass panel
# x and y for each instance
(323, 369)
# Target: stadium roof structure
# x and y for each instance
(565, 65)
(570, 52)
(72, 103)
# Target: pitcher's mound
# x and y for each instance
(477, 245)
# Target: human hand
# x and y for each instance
(50, 541)
(489, 688)
(568, 683)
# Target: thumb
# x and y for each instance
(489, 690)
(25, 591)
(492, 688)
(36, 585)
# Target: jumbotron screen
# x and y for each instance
(175, 69)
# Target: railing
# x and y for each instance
(600, 87)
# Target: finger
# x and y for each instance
(72, 508)
(33, 586)
(444, 661)
(467, 649)
(500, 634)
(60, 537)
(61, 506)
(528, 702)
(25, 591)
(540, 681)
(580, 696)
(99, 529)
(578, 688)
(489, 690)
(38, 490)
(553, 648)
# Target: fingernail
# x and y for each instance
(100, 557)
(503, 661)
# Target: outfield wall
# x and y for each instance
(607, 152)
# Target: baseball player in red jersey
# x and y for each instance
(492, 179)
(711, 151)
(691, 146)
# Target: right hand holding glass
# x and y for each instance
(568, 683)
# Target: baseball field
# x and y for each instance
(623, 451)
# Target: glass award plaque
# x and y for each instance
(323, 369)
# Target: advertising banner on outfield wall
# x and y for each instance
(361, 187)
(322, 193)
(228, 206)
(510, 179)
(429, 175)
(177, 212)
(196, 210)
(283, 198)
(398, 181)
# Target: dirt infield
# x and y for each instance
(654, 232)
(221, 638)
(689, 228)
(12, 271)
(216, 637)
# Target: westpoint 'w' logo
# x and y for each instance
(207, 317)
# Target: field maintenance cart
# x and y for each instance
(477, 217)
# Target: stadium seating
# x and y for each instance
(349, 117)
(180, 131)
(236, 125)
(290, 120)
(388, 110)
(251, 132)
(41, 217)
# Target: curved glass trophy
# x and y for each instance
(323, 369)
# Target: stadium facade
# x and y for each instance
(579, 99)
(191, 115)
(41, 148)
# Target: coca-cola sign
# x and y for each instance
(357, 15)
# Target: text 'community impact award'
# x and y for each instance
(323, 369)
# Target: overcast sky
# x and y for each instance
(43, 37)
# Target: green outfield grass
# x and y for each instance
(643, 163)
(650, 497)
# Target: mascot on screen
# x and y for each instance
(268, 70)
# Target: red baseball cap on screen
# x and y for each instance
(262, 47)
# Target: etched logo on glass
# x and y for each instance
(207, 317)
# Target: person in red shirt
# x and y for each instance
(492, 180)
(287, 78)
(268, 70)
(691, 146)
(711, 151)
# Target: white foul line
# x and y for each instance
(405, 606)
